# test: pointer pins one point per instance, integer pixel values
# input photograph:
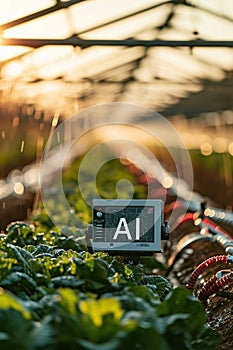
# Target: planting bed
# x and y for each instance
(55, 294)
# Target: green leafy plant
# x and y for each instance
(55, 295)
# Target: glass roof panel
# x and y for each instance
(54, 25)
(155, 76)
(12, 9)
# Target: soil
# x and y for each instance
(219, 309)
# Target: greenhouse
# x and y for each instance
(116, 174)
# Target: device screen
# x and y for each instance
(124, 224)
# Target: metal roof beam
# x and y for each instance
(58, 6)
(84, 43)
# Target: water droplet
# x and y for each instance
(19, 188)
(167, 182)
(58, 137)
(15, 122)
(42, 126)
(37, 115)
(55, 119)
(22, 146)
(40, 143)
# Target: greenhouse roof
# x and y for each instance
(175, 57)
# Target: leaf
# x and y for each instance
(131, 302)
(8, 301)
(20, 233)
(41, 335)
(41, 249)
(68, 300)
(16, 327)
(14, 252)
(161, 285)
(122, 269)
(144, 338)
(181, 301)
(145, 293)
(208, 339)
(150, 263)
(67, 281)
(6, 265)
(137, 272)
(96, 309)
(99, 268)
(4, 336)
(19, 281)
(113, 344)
(25, 253)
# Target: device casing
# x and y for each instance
(134, 214)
